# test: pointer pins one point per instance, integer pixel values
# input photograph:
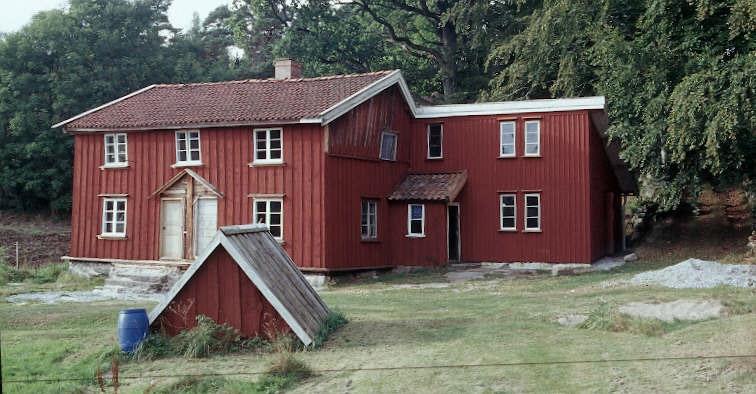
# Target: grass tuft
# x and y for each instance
(207, 338)
(333, 321)
(605, 318)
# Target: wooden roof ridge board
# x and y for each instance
(283, 279)
(281, 283)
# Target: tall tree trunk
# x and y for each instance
(448, 63)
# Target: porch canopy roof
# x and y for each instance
(430, 186)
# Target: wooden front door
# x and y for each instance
(205, 223)
(172, 229)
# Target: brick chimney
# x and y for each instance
(288, 69)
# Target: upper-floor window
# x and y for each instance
(532, 138)
(188, 147)
(415, 220)
(268, 146)
(270, 211)
(369, 219)
(388, 146)
(116, 154)
(508, 212)
(507, 139)
(114, 217)
(532, 212)
(435, 141)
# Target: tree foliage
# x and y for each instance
(678, 77)
(65, 62)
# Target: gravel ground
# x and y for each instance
(98, 294)
(676, 310)
(699, 274)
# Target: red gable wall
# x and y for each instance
(222, 291)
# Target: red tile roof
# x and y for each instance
(434, 187)
(232, 102)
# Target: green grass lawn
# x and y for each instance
(503, 320)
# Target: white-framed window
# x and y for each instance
(508, 212)
(532, 138)
(532, 212)
(507, 139)
(388, 146)
(435, 141)
(116, 150)
(415, 220)
(369, 219)
(188, 147)
(114, 217)
(270, 211)
(268, 146)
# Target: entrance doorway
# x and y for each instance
(172, 229)
(454, 242)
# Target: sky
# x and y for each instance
(16, 13)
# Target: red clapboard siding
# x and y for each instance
(210, 293)
(560, 174)
(226, 153)
(353, 171)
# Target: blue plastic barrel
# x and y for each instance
(133, 327)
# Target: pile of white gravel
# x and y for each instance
(699, 274)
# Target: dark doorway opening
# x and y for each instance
(454, 244)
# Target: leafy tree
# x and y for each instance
(678, 77)
(65, 62)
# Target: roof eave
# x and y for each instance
(85, 113)
(511, 107)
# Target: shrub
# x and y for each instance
(333, 321)
(153, 347)
(48, 273)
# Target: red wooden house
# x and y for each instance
(347, 171)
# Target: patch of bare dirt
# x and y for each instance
(41, 238)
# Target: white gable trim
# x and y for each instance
(221, 239)
(346, 105)
(69, 120)
(184, 279)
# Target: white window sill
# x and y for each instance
(114, 166)
(434, 158)
(266, 163)
(112, 236)
(532, 230)
(507, 230)
(186, 164)
(538, 155)
(508, 157)
(415, 235)
(280, 241)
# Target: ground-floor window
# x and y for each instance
(532, 212)
(270, 211)
(416, 220)
(369, 219)
(114, 217)
(508, 212)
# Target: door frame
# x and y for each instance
(182, 204)
(195, 223)
(459, 232)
